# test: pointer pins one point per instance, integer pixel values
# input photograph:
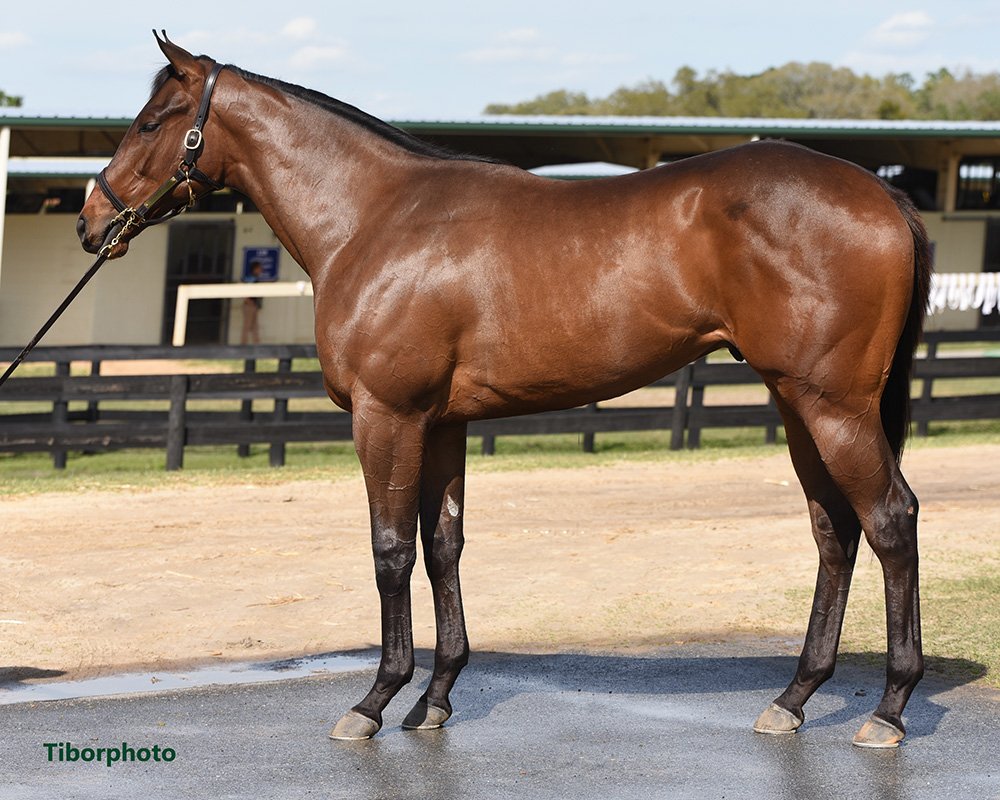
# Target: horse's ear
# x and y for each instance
(180, 59)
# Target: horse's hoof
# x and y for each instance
(425, 717)
(879, 733)
(777, 721)
(353, 726)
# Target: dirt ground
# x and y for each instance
(620, 557)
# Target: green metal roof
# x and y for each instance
(620, 125)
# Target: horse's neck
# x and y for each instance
(313, 175)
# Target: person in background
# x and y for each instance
(251, 308)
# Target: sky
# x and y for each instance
(441, 59)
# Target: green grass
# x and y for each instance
(30, 473)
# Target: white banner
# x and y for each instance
(960, 291)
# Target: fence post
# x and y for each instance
(93, 412)
(277, 454)
(60, 415)
(679, 420)
(489, 444)
(697, 403)
(927, 388)
(771, 431)
(588, 438)
(176, 422)
(246, 408)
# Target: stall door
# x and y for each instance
(199, 252)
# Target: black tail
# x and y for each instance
(896, 397)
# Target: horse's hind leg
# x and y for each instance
(837, 531)
(442, 490)
(390, 446)
(852, 445)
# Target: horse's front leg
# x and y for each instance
(441, 513)
(390, 446)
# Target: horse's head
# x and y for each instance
(160, 144)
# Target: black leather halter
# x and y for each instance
(194, 143)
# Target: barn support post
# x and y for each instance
(4, 163)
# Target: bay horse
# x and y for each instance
(450, 288)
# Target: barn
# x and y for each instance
(47, 166)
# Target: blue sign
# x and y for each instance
(260, 264)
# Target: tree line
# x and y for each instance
(795, 90)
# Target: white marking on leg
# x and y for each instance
(452, 506)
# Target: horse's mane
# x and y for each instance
(341, 109)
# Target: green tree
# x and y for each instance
(557, 102)
(795, 90)
(10, 101)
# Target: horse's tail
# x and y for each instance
(895, 406)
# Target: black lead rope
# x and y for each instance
(194, 143)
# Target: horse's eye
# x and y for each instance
(149, 127)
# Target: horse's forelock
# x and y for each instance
(161, 77)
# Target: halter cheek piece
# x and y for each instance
(187, 172)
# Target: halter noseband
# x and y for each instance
(187, 171)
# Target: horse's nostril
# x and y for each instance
(81, 228)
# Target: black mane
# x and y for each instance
(341, 109)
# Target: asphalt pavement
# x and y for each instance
(677, 725)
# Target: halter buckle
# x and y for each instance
(193, 139)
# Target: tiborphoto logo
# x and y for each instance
(65, 751)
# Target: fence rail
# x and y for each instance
(175, 420)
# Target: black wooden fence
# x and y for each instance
(98, 421)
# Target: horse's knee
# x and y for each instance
(441, 558)
(892, 533)
(394, 560)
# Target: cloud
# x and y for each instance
(11, 39)
(904, 30)
(499, 55)
(526, 46)
(315, 56)
(300, 28)
(520, 35)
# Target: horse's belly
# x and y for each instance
(545, 378)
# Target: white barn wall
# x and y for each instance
(42, 262)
